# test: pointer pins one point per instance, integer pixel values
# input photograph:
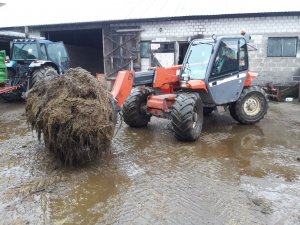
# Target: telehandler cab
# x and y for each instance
(214, 73)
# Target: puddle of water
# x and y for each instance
(12, 128)
(86, 202)
(233, 174)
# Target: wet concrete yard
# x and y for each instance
(234, 174)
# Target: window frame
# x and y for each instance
(142, 44)
(281, 55)
(229, 73)
(246, 56)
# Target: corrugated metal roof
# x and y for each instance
(13, 35)
(34, 12)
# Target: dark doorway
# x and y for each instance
(85, 47)
(183, 47)
(5, 45)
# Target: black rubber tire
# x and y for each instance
(133, 115)
(237, 109)
(232, 111)
(208, 110)
(44, 72)
(13, 96)
(184, 124)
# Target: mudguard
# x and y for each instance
(123, 86)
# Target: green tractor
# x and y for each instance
(30, 61)
(3, 72)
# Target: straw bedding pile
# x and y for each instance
(74, 115)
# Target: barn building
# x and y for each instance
(157, 33)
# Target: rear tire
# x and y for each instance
(44, 72)
(187, 117)
(251, 106)
(134, 108)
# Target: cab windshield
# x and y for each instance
(196, 61)
(25, 51)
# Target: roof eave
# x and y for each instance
(45, 27)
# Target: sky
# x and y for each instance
(34, 12)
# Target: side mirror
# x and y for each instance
(247, 37)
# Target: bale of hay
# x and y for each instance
(74, 114)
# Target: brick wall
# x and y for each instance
(276, 69)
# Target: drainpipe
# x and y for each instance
(26, 32)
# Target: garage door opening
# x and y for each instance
(85, 48)
(5, 45)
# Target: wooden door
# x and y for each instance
(120, 50)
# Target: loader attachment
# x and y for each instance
(123, 86)
(8, 89)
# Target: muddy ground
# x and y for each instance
(234, 174)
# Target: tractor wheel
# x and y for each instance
(44, 72)
(232, 110)
(187, 117)
(134, 108)
(251, 106)
(208, 110)
(13, 96)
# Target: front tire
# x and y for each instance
(187, 117)
(13, 96)
(134, 108)
(251, 106)
(44, 72)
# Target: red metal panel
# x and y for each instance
(249, 77)
(197, 84)
(161, 102)
(166, 78)
(122, 86)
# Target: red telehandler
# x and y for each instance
(214, 73)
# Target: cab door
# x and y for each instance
(58, 54)
(228, 74)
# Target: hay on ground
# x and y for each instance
(74, 114)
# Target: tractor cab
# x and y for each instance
(32, 60)
(197, 59)
(31, 51)
(222, 63)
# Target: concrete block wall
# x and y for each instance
(276, 69)
(273, 69)
(223, 26)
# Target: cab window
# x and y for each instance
(43, 51)
(227, 58)
(243, 59)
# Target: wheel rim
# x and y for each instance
(195, 118)
(249, 141)
(252, 106)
